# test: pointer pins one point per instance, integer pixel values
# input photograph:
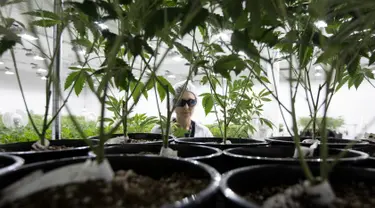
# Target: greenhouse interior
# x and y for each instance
(187, 103)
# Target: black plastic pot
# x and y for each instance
(246, 156)
(208, 155)
(216, 142)
(152, 166)
(332, 142)
(9, 163)
(370, 161)
(151, 137)
(238, 182)
(23, 149)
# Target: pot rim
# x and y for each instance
(218, 152)
(197, 198)
(17, 162)
(361, 156)
(275, 139)
(48, 151)
(188, 141)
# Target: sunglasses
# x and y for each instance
(190, 102)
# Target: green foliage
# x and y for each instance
(331, 123)
(137, 124)
(234, 131)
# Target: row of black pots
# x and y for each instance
(250, 156)
(234, 184)
(222, 163)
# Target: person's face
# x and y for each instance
(185, 107)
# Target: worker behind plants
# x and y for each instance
(183, 125)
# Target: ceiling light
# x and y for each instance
(39, 58)
(172, 76)
(9, 72)
(320, 24)
(102, 25)
(177, 58)
(1, 62)
(41, 70)
(82, 52)
(28, 37)
(225, 37)
(318, 71)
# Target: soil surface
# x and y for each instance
(136, 141)
(349, 195)
(62, 147)
(128, 189)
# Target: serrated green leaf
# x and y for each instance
(70, 79)
(358, 80)
(190, 21)
(6, 44)
(184, 51)
(264, 79)
(217, 47)
(161, 91)
(229, 63)
(207, 103)
(266, 99)
(372, 59)
(43, 14)
(45, 22)
(342, 82)
(79, 84)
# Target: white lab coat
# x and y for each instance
(200, 130)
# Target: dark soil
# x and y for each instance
(136, 141)
(352, 195)
(62, 147)
(128, 189)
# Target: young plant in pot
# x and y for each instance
(33, 151)
(302, 38)
(237, 104)
(139, 181)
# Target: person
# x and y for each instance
(184, 109)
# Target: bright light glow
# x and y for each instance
(318, 74)
(320, 24)
(9, 72)
(82, 52)
(38, 58)
(172, 76)
(1, 62)
(177, 58)
(318, 71)
(41, 70)
(225, 37)
(242, 53)
(28, 37)
(102, 25)
(43, 78)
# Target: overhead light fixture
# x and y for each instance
(177, 58)
(82, 52)
(28, 37)
(172, 76)
(38, 58)
(318, 71)
(101, 25)
(1, 62)
(8, 72)
(320, 24)
(41, 70)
